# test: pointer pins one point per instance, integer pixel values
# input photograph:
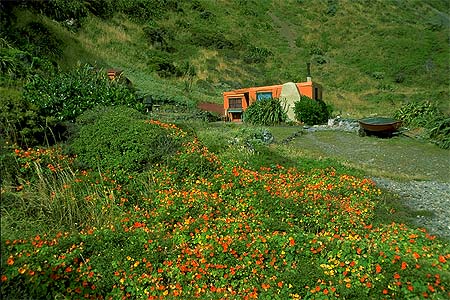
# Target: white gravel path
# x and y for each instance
(430, 196)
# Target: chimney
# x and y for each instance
(308, 72)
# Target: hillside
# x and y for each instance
(370, 56)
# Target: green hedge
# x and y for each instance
(311, 112)
(119, 139)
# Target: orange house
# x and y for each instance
(237, 101)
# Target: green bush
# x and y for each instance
(311, 112)
(210, 39)
(417, 113)
(65, 96)
(118, 139)
(20, 122)
(426, 114)
(257, 55)
(439, 132)
(266, 112)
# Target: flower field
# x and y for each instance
(235, 233)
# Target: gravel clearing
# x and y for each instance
(424, 196)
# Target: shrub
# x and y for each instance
(257, 55)
(20, 122)
(158, 37)
(417, 113)
(426, 114)
(211, 39)
(17, 65)
(118, 139)
(144, 10)
(266, 112)
(439, 132)
(65, 96)
(311, 112)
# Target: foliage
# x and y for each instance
(417, 113)
(118, 139)
(257, 55)
(211, 39)
(22, 124)
(241, 233)
(439, 132)
(425, 114)
(38, 39)
(158, 37)
(311, 111)
(266, 112)
(145, 10)
(67, 95)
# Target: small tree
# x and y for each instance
(311, 112)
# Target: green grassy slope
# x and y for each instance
(370, 56)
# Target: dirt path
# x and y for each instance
(398, 158)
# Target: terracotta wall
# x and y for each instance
(310, 89)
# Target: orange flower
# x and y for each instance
(265, 286)
(396, 276)
(431, 288)
(317, 288)
(325, 291)
(10, 261)
(4, 278)
(377, 268)
(280, 284)
(416, 255)
(410, 287)
(442, 259)
(291, 242)
(404, 265)
(385, 291)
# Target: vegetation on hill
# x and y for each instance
(371, 56)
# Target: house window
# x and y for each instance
(263, 95)
(235, 102)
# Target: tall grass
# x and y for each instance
(55, 202)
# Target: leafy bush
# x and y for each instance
(417, 113)
(266, 112)
(118, 139)
(62, 10)
(21, 123)
(311, 112)
(17, 65)
(144, 10)
(426, 114)
(257, 55)
(210, 39)
(439, 132)
(65, 96)
(158, 37)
